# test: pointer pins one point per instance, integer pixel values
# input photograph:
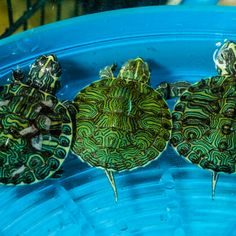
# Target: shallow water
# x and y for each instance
(167, 197)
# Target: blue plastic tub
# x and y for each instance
(167, 197)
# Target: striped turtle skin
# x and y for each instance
(204, 119)
(122, 122)
(35, 128)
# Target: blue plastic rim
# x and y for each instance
(167, 197)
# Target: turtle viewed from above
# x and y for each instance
(204, 118)
(116, 123)
(35, 128)
(122, 122)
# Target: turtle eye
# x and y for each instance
(40, 61)
(40, 64)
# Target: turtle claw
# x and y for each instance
(110, 177)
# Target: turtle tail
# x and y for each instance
(111, 179)
(215, 176)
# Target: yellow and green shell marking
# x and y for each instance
(122, 122)
(35, 128)
(204, 119)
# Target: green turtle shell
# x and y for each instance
(121, 124)
(204, 124)
(35, 134)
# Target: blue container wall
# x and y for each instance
(167, 197)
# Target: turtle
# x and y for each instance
(36, 129)
(122, 123)
(204, 118)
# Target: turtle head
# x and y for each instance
(135, 69)
(45, 73)
(225, 59)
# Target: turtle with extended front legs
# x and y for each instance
(204, 118)
(122, 122)
(35, 127)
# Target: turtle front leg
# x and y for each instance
(172, 90)
(107, 72)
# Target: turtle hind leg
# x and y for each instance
(172, 90)
(215, 176)
(107, 72)
(111, 179)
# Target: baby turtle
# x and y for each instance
(35, 128)
(122, 122)
(204, 118)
